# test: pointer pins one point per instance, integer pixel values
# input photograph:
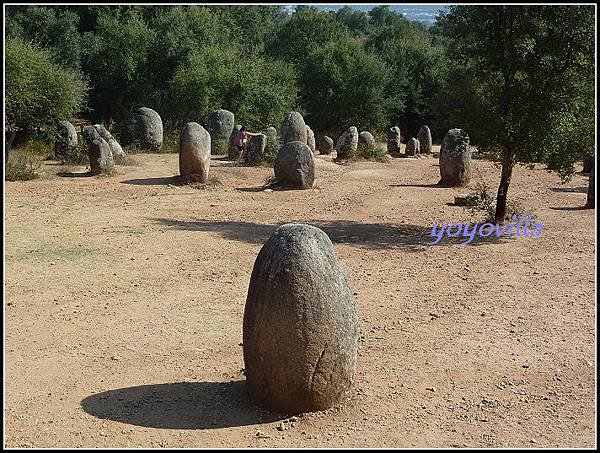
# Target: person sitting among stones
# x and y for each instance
(240, 141)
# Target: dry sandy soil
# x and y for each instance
(125, 297)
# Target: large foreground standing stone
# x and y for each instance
(393, 141)
(293, 128)
(325, 144)
(310, 139)
(347, 143)
(455, 158)
(147, 128)
(412, 147)
(118, 154)
(101, 159)
(300, 331)
(194, 152)
(424, 137)
(295, 166)
(256, 149)
(220, 127)
(66, 138)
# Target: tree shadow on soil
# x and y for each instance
(412, 238)
(180, 405)
(569, 189)
(161, 181)
(438, 185)
(570, 208)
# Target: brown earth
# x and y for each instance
(125, 296)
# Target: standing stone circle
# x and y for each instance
(194, 153)
(424, 137)
(325, 144)
(101, 159)
(220, 127)
(347, 143)
(455, 158)
(66, 138)
(393, 144)
(118, 154)
(412, 147)
(293, 129)
(310, 139)
(256, 149)
(300, 332)
(147, 128)
(295, 166)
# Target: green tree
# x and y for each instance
(527, 68)
(342, 85)
(39, 93)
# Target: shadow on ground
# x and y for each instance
(68, 174)
(407, 237)
(434, 185)
(569, 189)
(160, 181)
(180, 405)
(569, 208)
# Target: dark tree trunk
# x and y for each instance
(591, 197)
(508, 161)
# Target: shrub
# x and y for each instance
(76, 155)
(22, 164)
(376, 153)
(39, 93)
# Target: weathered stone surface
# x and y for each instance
(325, 144)
(295, 166)
(220, 127)
(365, 138)
(412, 147)
(256, 149)
(194, 152)
(424, 137)
(591, 197)
(233, 152)
(66, 138)
(455, 158)
(293, 129)
(300, 332)
(394, 139)
(347, 143)
(310, 139)
(118, 154)
(101, 159)
(147, 128)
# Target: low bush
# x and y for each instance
(22, 164)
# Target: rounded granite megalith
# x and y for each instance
(66, 138)
(194, 152)
(256, 149)
(293, 129)
(412, 147)
(347, 143)
(393, 141)
(325, 144)
(118, 154)
(424, 137)
(220, 127)
(455, 158)
(365, 138)
(147, 129)
(310, 139)
(300, 332)
(101, 159)
(295, 166)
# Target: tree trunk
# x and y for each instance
(591, 197)
(508, 162)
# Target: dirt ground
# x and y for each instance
(124, 299)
